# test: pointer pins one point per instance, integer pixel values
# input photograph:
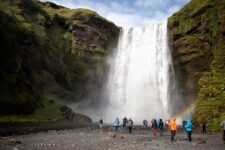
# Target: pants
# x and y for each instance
(161, 132)
(116, 129)
(130, 129)
(204, 129)
(173, 133)
(224, 135)
(154, 131)
(189, 136)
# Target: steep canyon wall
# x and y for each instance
(197, 34)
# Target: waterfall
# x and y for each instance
(138, 82)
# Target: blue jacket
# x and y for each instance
(188, 125)
(117, 122)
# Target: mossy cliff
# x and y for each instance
(197, 35)
(50, 52)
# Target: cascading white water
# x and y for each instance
(138, 83)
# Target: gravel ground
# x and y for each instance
(95, 139)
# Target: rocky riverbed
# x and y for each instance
(91, 138)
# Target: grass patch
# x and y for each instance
(49, 110)
(214, 124)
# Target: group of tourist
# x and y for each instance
(169, 124)
(117, 124)
(158, 125)
(125, 123)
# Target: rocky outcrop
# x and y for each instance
(198, 50)
(49, 50)
(68, 114)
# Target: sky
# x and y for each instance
(128, 13)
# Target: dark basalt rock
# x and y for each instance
(49, 50)
(197, 42)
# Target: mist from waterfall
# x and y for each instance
(139, 78)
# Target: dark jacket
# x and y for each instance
(154, 125)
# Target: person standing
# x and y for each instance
(203, 128)
(100, 123)
(124, 122)
(116, 125)
(157, 121)
(183, 125)
(223, 126)
(154, 127)
(167, 122)
(173, 128)
(161, 126)
(145, 123)
(188, 128)
(130, 124)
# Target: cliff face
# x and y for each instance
(50, 52)
(197, 35)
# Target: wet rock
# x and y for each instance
(149, 139)
(15, 148)
(14, 142)
(122, 137)
(111, 135)
(202, 142)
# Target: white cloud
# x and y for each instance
(173, 9)
(126, 20)
(125, 15)
(151, 3)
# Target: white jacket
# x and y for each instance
(130, 123)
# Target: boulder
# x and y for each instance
(14, 142)
(111, 135)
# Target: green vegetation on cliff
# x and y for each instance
(49, 51)
(198, 32)
(49, 110)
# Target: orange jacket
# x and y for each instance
(173, 125)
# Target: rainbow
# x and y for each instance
(185, 113)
